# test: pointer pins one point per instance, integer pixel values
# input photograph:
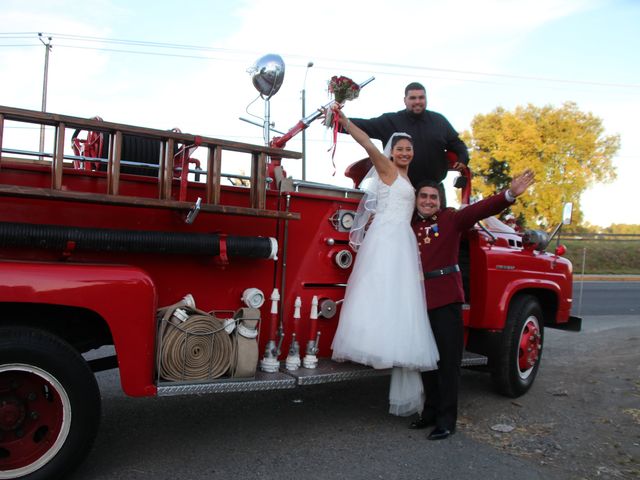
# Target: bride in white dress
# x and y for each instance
(383, 320)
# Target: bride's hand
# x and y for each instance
(336, 108)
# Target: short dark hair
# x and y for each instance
(433, 184)
(414, 86)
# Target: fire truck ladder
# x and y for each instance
(167, 140)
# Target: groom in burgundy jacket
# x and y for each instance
(438, 233)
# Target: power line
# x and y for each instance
(379, 65)
(140, 43)
(138, 52)
(18, 33)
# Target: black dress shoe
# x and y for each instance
(422, 422)
(440, 433)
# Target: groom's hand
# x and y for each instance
(520, 183)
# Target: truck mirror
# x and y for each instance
(566, 213)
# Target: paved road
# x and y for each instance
(606, 298)
(337, 430)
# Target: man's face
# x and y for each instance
(416, 101)
(428, 201)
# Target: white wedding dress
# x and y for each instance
(383, 321)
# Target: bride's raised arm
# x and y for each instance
(384, 166)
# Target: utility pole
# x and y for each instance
(47, 48)
(304, 114)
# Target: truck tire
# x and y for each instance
(49, 405)
(515, 365)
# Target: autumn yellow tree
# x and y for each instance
(567, 149)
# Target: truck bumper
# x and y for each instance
(574, 324)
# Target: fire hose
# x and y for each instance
(196, 345)
(193, 348)
(61, 237)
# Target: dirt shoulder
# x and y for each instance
(581, 419)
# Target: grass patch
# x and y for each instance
(603, 256)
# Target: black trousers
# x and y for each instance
(441, 385)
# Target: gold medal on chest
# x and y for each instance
(427, 232)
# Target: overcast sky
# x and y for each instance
(184, 64)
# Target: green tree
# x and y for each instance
(566, 148)
(584, 227)
(623, 228)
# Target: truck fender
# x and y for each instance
(513, 288)
(124, 296)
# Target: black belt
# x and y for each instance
(442, 271)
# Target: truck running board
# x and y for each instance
(327, 372)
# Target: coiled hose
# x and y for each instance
(194, 345)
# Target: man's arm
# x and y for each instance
(466, 217)
(379, 128)
(373, 127)
(493, 205)
(386, 169)
(455, 144)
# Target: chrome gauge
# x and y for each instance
(347, 220)
(342, 220)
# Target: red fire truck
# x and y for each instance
(131, 254)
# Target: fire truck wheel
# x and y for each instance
(515, 365)
(49, 405)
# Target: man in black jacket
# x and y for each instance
(432, 135)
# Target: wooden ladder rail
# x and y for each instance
(214, 147)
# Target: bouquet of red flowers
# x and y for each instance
(343, 89)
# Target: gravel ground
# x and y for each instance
(581, 419)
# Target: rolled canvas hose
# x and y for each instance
(194, 345)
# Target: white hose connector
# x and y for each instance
(293, 359)
(343, 259)
(269, 365)
(297, 305)
(180, 314)
(292, 363)
(253, 297)
(189, 301)
(247, 332)
(310, 360)
(273, 255)
(229, 325)
(270, 362)
(314, 308)
(275, 298)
